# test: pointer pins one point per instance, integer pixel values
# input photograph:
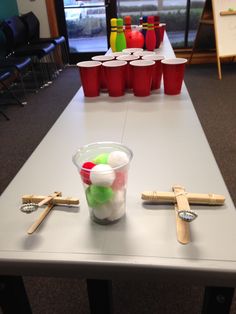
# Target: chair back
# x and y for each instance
(32, 25)
(15, 32)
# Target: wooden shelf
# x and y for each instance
(225, 13)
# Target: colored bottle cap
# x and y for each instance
(150, 19)
(113, 22)
(120, 22)
(127, 19)
(144, 19)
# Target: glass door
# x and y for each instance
(86, 25)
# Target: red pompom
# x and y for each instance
(85, 174)
(134, 39)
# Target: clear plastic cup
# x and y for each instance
(103, 168)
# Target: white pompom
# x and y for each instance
(117, 213)
(118, 158)
(102, 212)
(117, 205)
(102, 175)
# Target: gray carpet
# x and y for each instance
(214, 103)
(29, 124)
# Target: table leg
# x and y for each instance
(217, 300)
(13, 297)
(100, 296)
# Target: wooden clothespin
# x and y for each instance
(182, 201)
(50, 201)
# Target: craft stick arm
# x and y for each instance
(182, 229)
(49, 198)
(40, 219)
(193, 198)
(56, 201)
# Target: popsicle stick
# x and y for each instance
(49, 198)
(181, 198)
(182, 229)
(40, 219)
(58, 200)
(193, 198)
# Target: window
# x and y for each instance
(174, 13)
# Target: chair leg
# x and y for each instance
(36, 83)
(12, 94)
(23, 88)
(3, 114)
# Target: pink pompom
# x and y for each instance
(120, 180)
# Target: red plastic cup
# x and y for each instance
(132, 50)
(142, 77)
(140, 54)
(90, 73)
(115, 74)
(128, 72)
(157, 72)
(173, 75)
(102, 59)
(117, 54)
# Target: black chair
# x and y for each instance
(6, 75)
(33, 33)
(18, 46)
(23, 67)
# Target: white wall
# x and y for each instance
(38, 7)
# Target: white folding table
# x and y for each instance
(169, 148)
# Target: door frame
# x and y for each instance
(59, 15)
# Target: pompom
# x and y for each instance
(102, 212)
(102, 175)
(101, 158)
(100, 194)
(118, 159)
(120, 180)
(85, 174)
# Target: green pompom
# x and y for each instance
(101, 159)
(90, 199)
(101, 194)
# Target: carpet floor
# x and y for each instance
(214, 104)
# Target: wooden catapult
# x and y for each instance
(33, 202)
(183, 212)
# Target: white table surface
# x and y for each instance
(169, 147)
